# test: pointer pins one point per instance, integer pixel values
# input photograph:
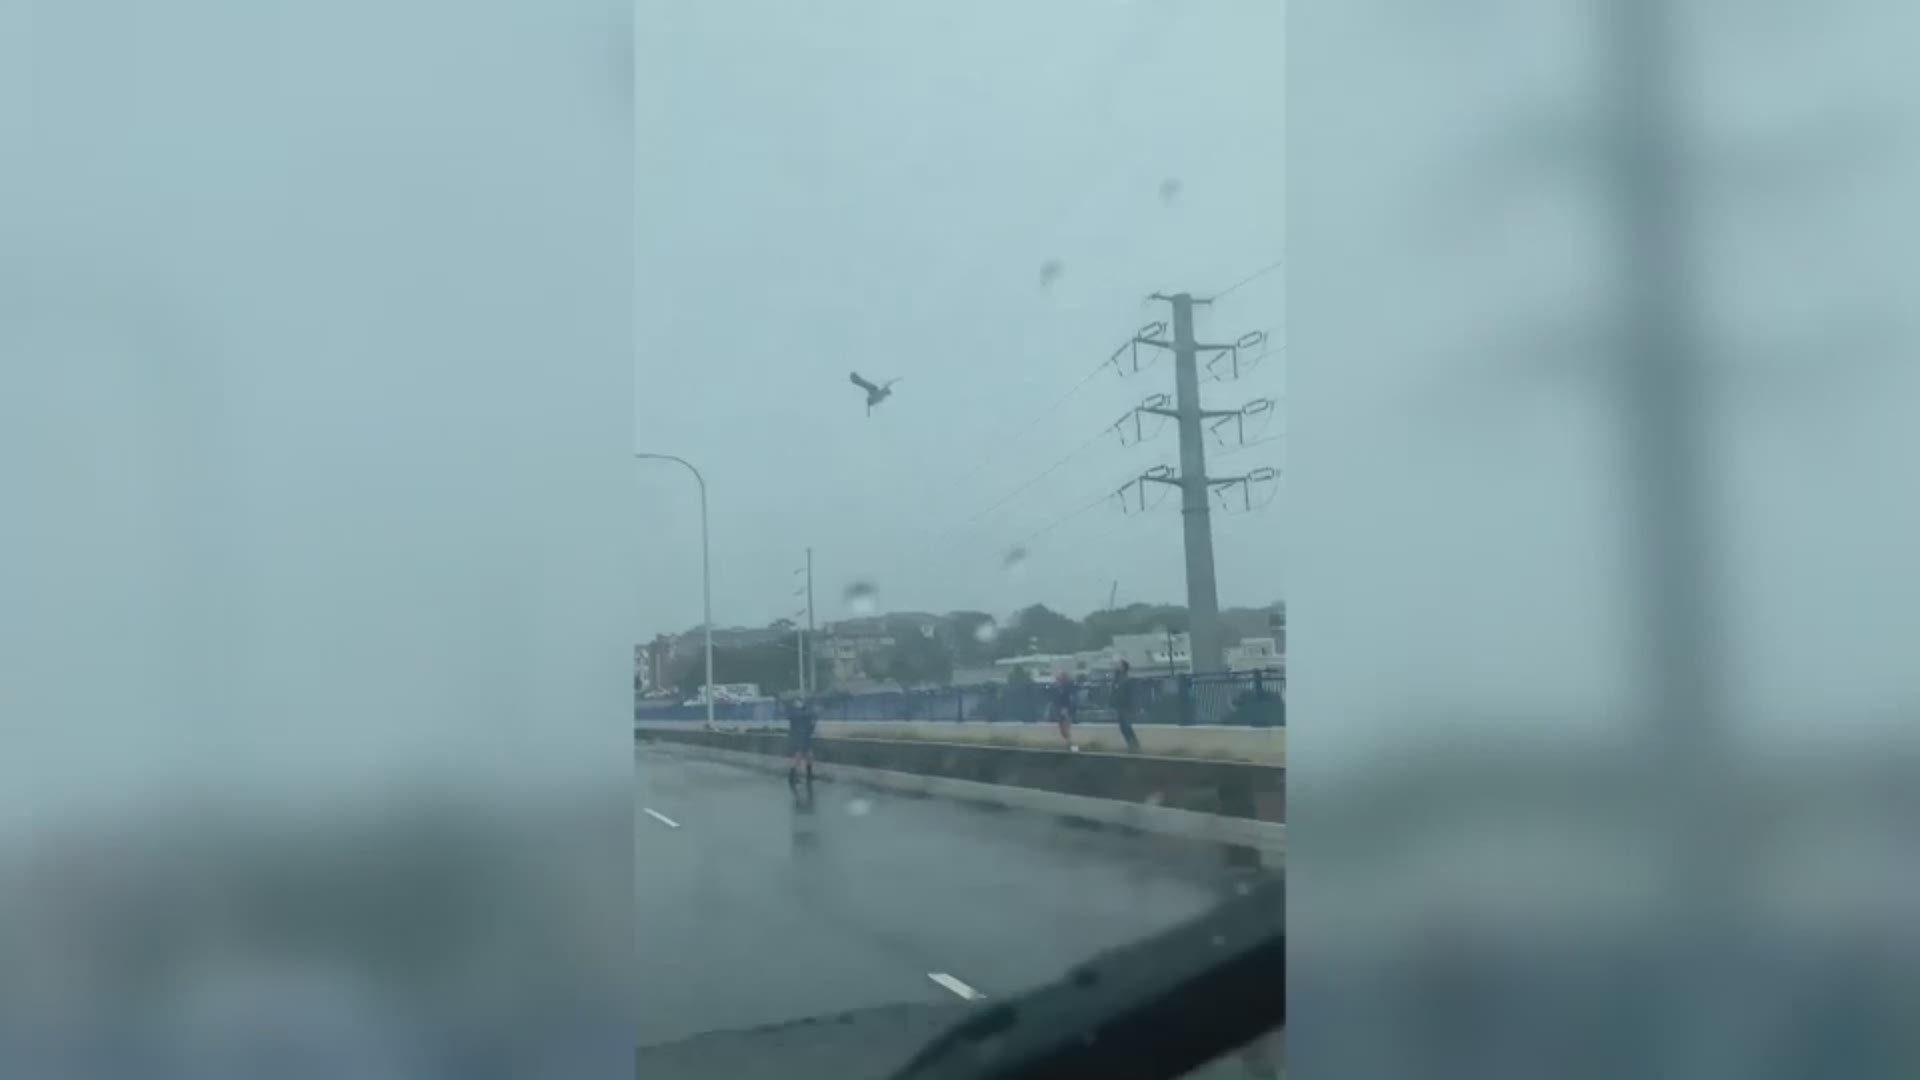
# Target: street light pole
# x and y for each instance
(813, 665)
(706, 570)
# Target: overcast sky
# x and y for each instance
(878, 192)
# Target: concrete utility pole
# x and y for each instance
(1203, 598)
(1659, 385)
(1196, 510)
(803, 635)
(800, 658)
(813, 676)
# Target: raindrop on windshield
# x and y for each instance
(986, 632)
(1170, 190)
(859, 808)
(863, 597)
(1050, 272)
(1015, 559)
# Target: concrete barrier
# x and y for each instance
(1233, 803)
(1266, 746)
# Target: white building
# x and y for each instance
(1095, 664)
(1256, 654)
(1042, 666)
(728, 694)
(1153, 654)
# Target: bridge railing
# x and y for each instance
(1240, 699)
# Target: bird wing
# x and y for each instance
(855, 379)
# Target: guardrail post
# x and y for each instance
(1186, 700)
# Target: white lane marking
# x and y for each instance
(661, 818)
(966, 993)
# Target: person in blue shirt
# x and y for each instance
(802, 719)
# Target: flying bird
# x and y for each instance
(875, 394)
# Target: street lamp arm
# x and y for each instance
(680, 461)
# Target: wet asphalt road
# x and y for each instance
(756, 909)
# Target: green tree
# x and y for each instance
(1038, 628)
(773, 666)
(970, 645)
(916, 660)
(1101, 627)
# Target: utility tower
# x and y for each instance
(1196, 487)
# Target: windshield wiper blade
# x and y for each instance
(1155, 1010)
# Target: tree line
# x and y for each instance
(958, 640)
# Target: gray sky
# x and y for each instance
(314, 353)
(877, 191)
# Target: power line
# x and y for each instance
(1064, 518)
(1082, 384)
(1040, 417)
(1042, 475)
(1034, 422)
(1258, 476)
(1107, 493)
(1232, 450)
(1055, 407)
(1087, 506)
(1250, 278)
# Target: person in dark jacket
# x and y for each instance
(1060, 706)
(1123, 704)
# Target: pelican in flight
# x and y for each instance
(875, 394)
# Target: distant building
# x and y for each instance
(660, 656)
(846, 647)
(979, 676)
(1154, 654)
(1256, 654)
(728, 694)
(1044, 666)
